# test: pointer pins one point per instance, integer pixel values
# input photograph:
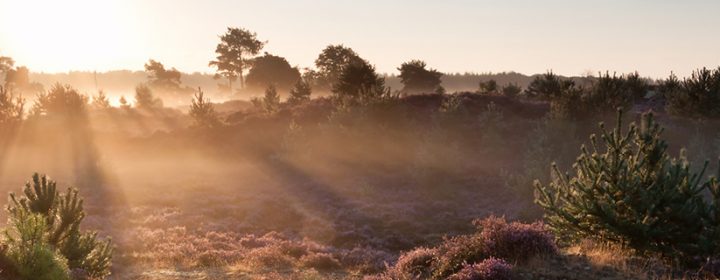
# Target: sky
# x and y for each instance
(653, 37)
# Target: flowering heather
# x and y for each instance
(515, 241)
(320, 261)
(456, 252)
(416, 264)
(366, 260)
(489, 269)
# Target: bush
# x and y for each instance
(489, 269)
(515, 241)
(456, 252)
(629, 191)
(44, 221)
(416, 264)
(320, 261)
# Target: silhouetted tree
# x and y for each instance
(19, 80)
(489, 87)
(548, 86)
(100, 101)
(511, 90)
(161, 78)
(203, 112)
(6, 64)
(607, 92)
(697, 96)
(299, 93)
(272, 70)
(360, 81)
(417, 79)
(331, 62)
(144, 98)
(60, 101)
(11, 108)
(234, 53)
(271, 100)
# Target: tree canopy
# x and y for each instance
(417, 79)
(272, 70)
(331, 62)
(359, 80)
(161, 78)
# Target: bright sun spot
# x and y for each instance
(62, 35)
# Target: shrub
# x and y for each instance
(320, 261)
(489, 269)
(300, 92)
(631, 192)
(456, 252)
(270, 257)
(515, 241)
(416, 264)
(43, 219)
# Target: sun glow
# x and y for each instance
(63, 35)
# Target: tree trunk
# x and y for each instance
(241, 67)
(230, 85)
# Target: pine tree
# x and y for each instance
(271, 101)
(100, 101)
(299, 93)
(632, 193)
(11, 109)
(47, 219)
(203, 112)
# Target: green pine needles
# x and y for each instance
(44, 240)
(627, 190)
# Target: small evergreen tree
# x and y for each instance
(61, 101)
(696, 97)
(271, 100)
(203, 112)
(627, 190)
(45, 239)
(11, 109)
(488, 87)
(100, 101)
(144, 98)
(511, 90)
(299, 93)
(548, 86)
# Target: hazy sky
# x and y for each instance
(653, 37)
